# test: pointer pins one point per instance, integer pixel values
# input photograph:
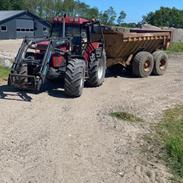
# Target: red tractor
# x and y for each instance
(74, 51)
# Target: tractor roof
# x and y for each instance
(70, 20)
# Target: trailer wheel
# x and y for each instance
(160, 62)
(97, 70)
(143, 64)
(74, 78)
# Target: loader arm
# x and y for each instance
(30, 72)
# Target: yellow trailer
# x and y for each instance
(138, 50)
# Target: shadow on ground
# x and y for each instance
(54, 88)
(9, 93)
(119, 71)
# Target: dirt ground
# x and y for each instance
(48, 138)
(9, 48)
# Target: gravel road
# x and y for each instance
(48, 138)
(9, 48)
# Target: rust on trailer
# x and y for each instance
(122, 46)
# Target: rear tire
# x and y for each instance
(97, 70)
(160, 63)
(143, 64)
(74, 78)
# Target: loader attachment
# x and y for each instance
(31, 64)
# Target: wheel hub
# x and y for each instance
(100, 70)
(162, 64)
(147, 66)
(81, 82)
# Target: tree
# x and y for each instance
(50, 8)
(111, 15)
(11, 4)
(121, 18)
(92, 13)
(108, 17)
(80, 8)
(103, 17)
(5, 5)
(169, 17)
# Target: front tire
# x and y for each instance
(74, 78)
(143, 64)
(97, 70)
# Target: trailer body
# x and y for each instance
(121, 47)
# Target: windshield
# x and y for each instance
(76, 34)
(70, 30)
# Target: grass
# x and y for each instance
(4, 72)
(170, 134)
(176, 48)
(126, 116)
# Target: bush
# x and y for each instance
(175, 48)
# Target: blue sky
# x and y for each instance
(135, 9)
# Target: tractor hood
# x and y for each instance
(44, 44)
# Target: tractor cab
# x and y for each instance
(78, 31)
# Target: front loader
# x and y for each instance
(31, 64)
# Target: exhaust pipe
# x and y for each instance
(64, 26)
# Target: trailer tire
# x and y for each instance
(74, 78)
(143, 64)
(160, 63)
(97, 71)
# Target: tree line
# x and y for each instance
(170, 17)
(49, 8)
(165, 17)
